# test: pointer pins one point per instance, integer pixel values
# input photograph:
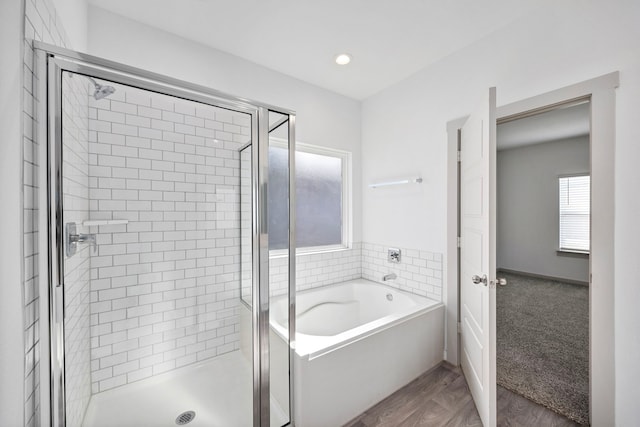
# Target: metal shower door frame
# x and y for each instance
(52, 62)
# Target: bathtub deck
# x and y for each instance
(441, 397)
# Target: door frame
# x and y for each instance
(51, 62)
(601, 93)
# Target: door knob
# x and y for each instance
(477, 279)
(502, 281)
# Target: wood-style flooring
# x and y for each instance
(441, 398)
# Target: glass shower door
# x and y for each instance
(278, 131)
(147, 220)
(281, 265)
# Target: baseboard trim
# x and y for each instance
(541, 276)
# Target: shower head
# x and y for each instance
(103, 91)
(100, 90)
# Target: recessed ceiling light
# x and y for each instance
(343, 59)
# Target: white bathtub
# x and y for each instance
(356, 343)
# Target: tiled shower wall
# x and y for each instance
(77, 342)
(41, 23)
(165, 286)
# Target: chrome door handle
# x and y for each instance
(502, 281)
(73, 238)
(477, 279)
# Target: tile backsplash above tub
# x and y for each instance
(419, 272)
(317, 269)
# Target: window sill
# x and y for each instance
(283, 253)
(572, 253)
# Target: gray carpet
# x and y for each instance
(543, 343)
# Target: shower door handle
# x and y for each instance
(73, 238)
(477, 279)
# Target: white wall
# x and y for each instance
(11, 334)
(73, 17)
(404, 130)
(527, 203)
(322, 117)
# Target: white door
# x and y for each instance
(478, 256)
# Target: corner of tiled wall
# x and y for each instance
(41, 23)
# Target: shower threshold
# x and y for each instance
(218, 391)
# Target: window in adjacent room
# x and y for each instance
(322, 198)
(574, 208)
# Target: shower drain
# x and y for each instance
(185, 418)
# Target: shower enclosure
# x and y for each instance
(158, 237)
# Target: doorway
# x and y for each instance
(601, 93)
(542, 305)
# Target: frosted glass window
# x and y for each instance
(574, 209)
(319, 198)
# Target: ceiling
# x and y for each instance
(389, 40)
(557, 124)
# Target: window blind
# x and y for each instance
(574, 206)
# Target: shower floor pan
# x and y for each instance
(219, 391)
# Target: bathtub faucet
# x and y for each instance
(389, 276)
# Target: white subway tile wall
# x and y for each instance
(41, 23)
(75, 124)
(316, 269)
(419, 272)
(165, 286)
